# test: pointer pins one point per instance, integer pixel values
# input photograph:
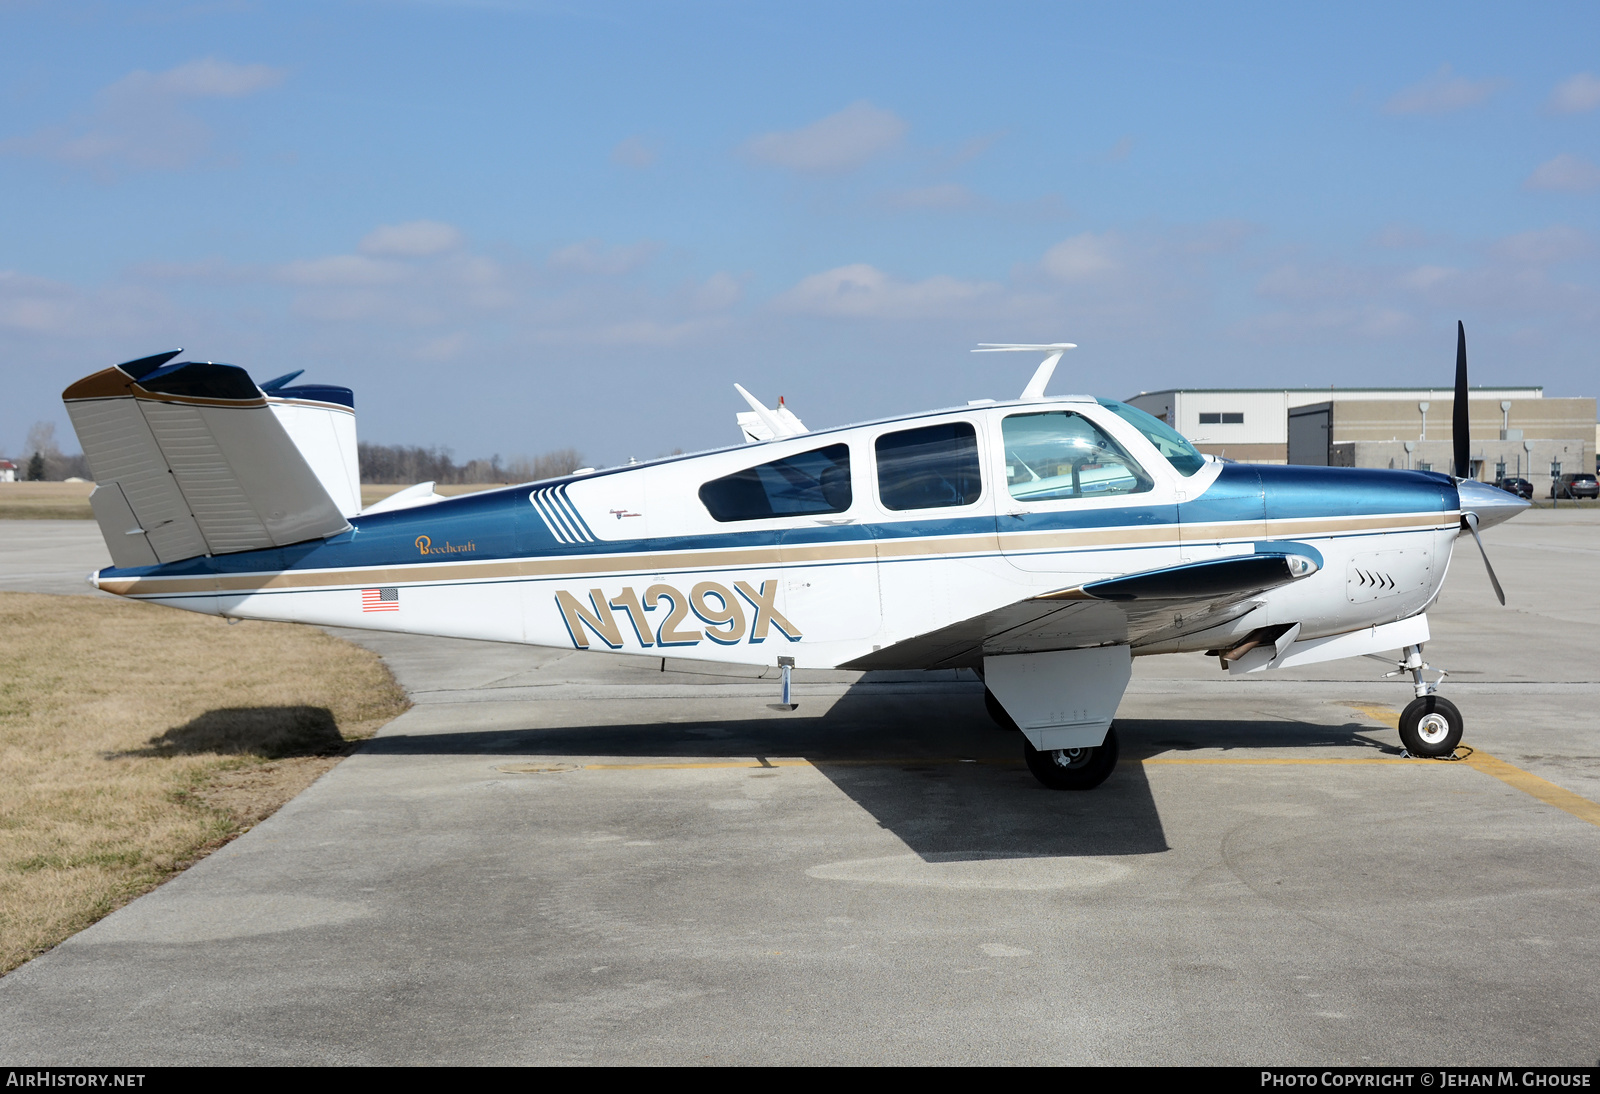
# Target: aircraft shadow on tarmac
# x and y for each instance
(931, 768)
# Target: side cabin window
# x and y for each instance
(811, 482)
(933, 467)
(1060, 455)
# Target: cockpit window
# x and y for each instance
(1059, 455)
(1182, 455)
(811, 482)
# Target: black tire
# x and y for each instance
(1075, 768)
(1430, 726)
(998, 712)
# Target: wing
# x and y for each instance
(1135, 609)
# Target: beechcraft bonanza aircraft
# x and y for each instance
(1042, 541)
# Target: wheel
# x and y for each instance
(1430, 726)
(1072, 768)
(998, 712)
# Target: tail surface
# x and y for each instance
(194, 458)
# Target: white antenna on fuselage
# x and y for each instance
(1047, 367)
(767, 424)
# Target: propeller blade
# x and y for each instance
(1459, 428)
(1472, 526)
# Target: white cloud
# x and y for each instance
(446, 347)
(140, 121)
(839, 142)
(718, 292)
(1401, 237)
(207, 78)
(35, 305)
(1575, 95)
(1083, 257)
(1566, 172)
(941, 196)
(640, 332)
(413, 239)
(342, 271)
(57, 310)
(1545, 246)
(590, 256)
(866, 292)
(1441, 93)
(1370, 322)
(634, 152)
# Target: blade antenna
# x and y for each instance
(1459, 427)
(768, 418)
(1047, 367)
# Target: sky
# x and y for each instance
(518, 227)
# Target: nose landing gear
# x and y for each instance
(1430, 725)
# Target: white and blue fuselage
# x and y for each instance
(634, 559)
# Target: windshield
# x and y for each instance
(1168, 441)
(1059, 455)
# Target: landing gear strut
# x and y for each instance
(1430, 725)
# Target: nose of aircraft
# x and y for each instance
(1492, 504)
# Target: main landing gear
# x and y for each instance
(1072, 768)
(1060, 768)
(1430, 726)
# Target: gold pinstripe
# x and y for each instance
(736, 557)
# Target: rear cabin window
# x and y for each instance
(812, 482)
(1061, 455)
(934, 467)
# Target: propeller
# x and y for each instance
(1459, 428)
(1471, 521)
(1491, 500)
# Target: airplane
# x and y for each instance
(1042, 542)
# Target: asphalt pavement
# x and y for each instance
(560, 857)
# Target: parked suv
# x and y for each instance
(1522, 488)
(1575, 484)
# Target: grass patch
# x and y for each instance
(45, 500)
(136, 739)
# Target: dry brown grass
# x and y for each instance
(136, 739)
(45, 500)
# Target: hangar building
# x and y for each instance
(1515, 430)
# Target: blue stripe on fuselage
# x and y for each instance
(503, 524)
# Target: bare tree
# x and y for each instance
(386, 463)
(45, 456)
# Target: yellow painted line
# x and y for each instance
(926, 761)
(1510, 774)
(1390, 718)
(1274, 761)
(757, 765)
(1531, 784)
(697, 766)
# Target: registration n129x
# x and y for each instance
(664, 615)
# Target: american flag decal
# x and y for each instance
(380, 600)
